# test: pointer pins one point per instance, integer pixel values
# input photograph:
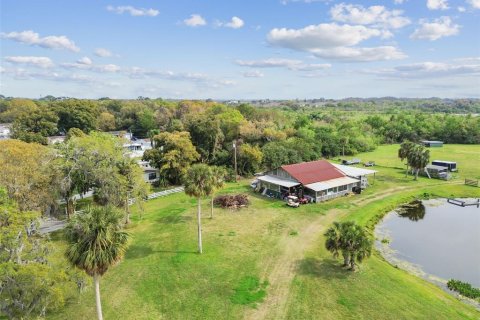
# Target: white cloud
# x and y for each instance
(431, 69)
(198, 78)
(399, 1)
(86, 63)
(253, 74)
(474, 3)
(235, 23)
(437, 4)
(136, 12)
(195, 20)
(438, 28)
(325, 35)
(461, 9)
(377, 16)
(333, 41)
(32, 38)
(85, 60)
(41, 62)
(354, 54)
(291, 64)
(101, 52)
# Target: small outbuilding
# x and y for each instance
(432, 143)
(450, 165)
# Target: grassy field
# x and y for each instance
(267, 261)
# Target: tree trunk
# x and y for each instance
(211, 208)
(352, 264)
(96, 279)
(127, 211)
(346, 259)
(70, 207)
(199, 222)
(416, 174)
(406, 172)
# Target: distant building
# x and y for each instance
(122, 134)
(56, 139)
(138, 147)
(5, 131)
(433, 144)
(150, 174)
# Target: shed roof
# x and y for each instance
(452, 162)
(354, 171)
(313, 171)
(332, 183)
(278, 181)
(434, 167)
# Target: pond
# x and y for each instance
(434, 239)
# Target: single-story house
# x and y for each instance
(433, 144)
(150, 174)
(319, 180)
(137, 148)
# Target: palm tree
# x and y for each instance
(418, 159)
(333, 242)
(405, 151)
(198, 184)
(351, 240)
(218, 181)
(358, 244)
(96, 242)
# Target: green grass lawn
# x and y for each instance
(162, 276)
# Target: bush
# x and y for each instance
(465, 289)
(231, 201)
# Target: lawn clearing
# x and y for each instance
(267, 261)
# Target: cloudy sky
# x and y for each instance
(240, 49)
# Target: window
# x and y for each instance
(152, 176)
(342, 188)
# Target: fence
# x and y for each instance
(471, 182)
(159, 194)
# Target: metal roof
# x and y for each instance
(332, 183)
(278, 181)
(443, 161)
(353, 171)
(432, 166)
(313, 171)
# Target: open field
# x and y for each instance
(163, 278)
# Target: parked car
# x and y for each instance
(369, 164)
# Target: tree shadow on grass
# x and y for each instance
(174, 219)
(325, 268)
(141, 251)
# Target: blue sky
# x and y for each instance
(240, 49)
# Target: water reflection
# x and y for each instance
(442, 239)
(414, 211)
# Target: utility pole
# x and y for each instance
(235, 157)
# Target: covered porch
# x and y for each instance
(274, 187)
(330, 189)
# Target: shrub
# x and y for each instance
(465, 289)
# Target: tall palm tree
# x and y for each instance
(405, 151)
(333, 242)
(218, 181)
(198, 184)
(96, 242)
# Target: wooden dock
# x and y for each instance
(463, 203)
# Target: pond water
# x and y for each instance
(435, 239)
